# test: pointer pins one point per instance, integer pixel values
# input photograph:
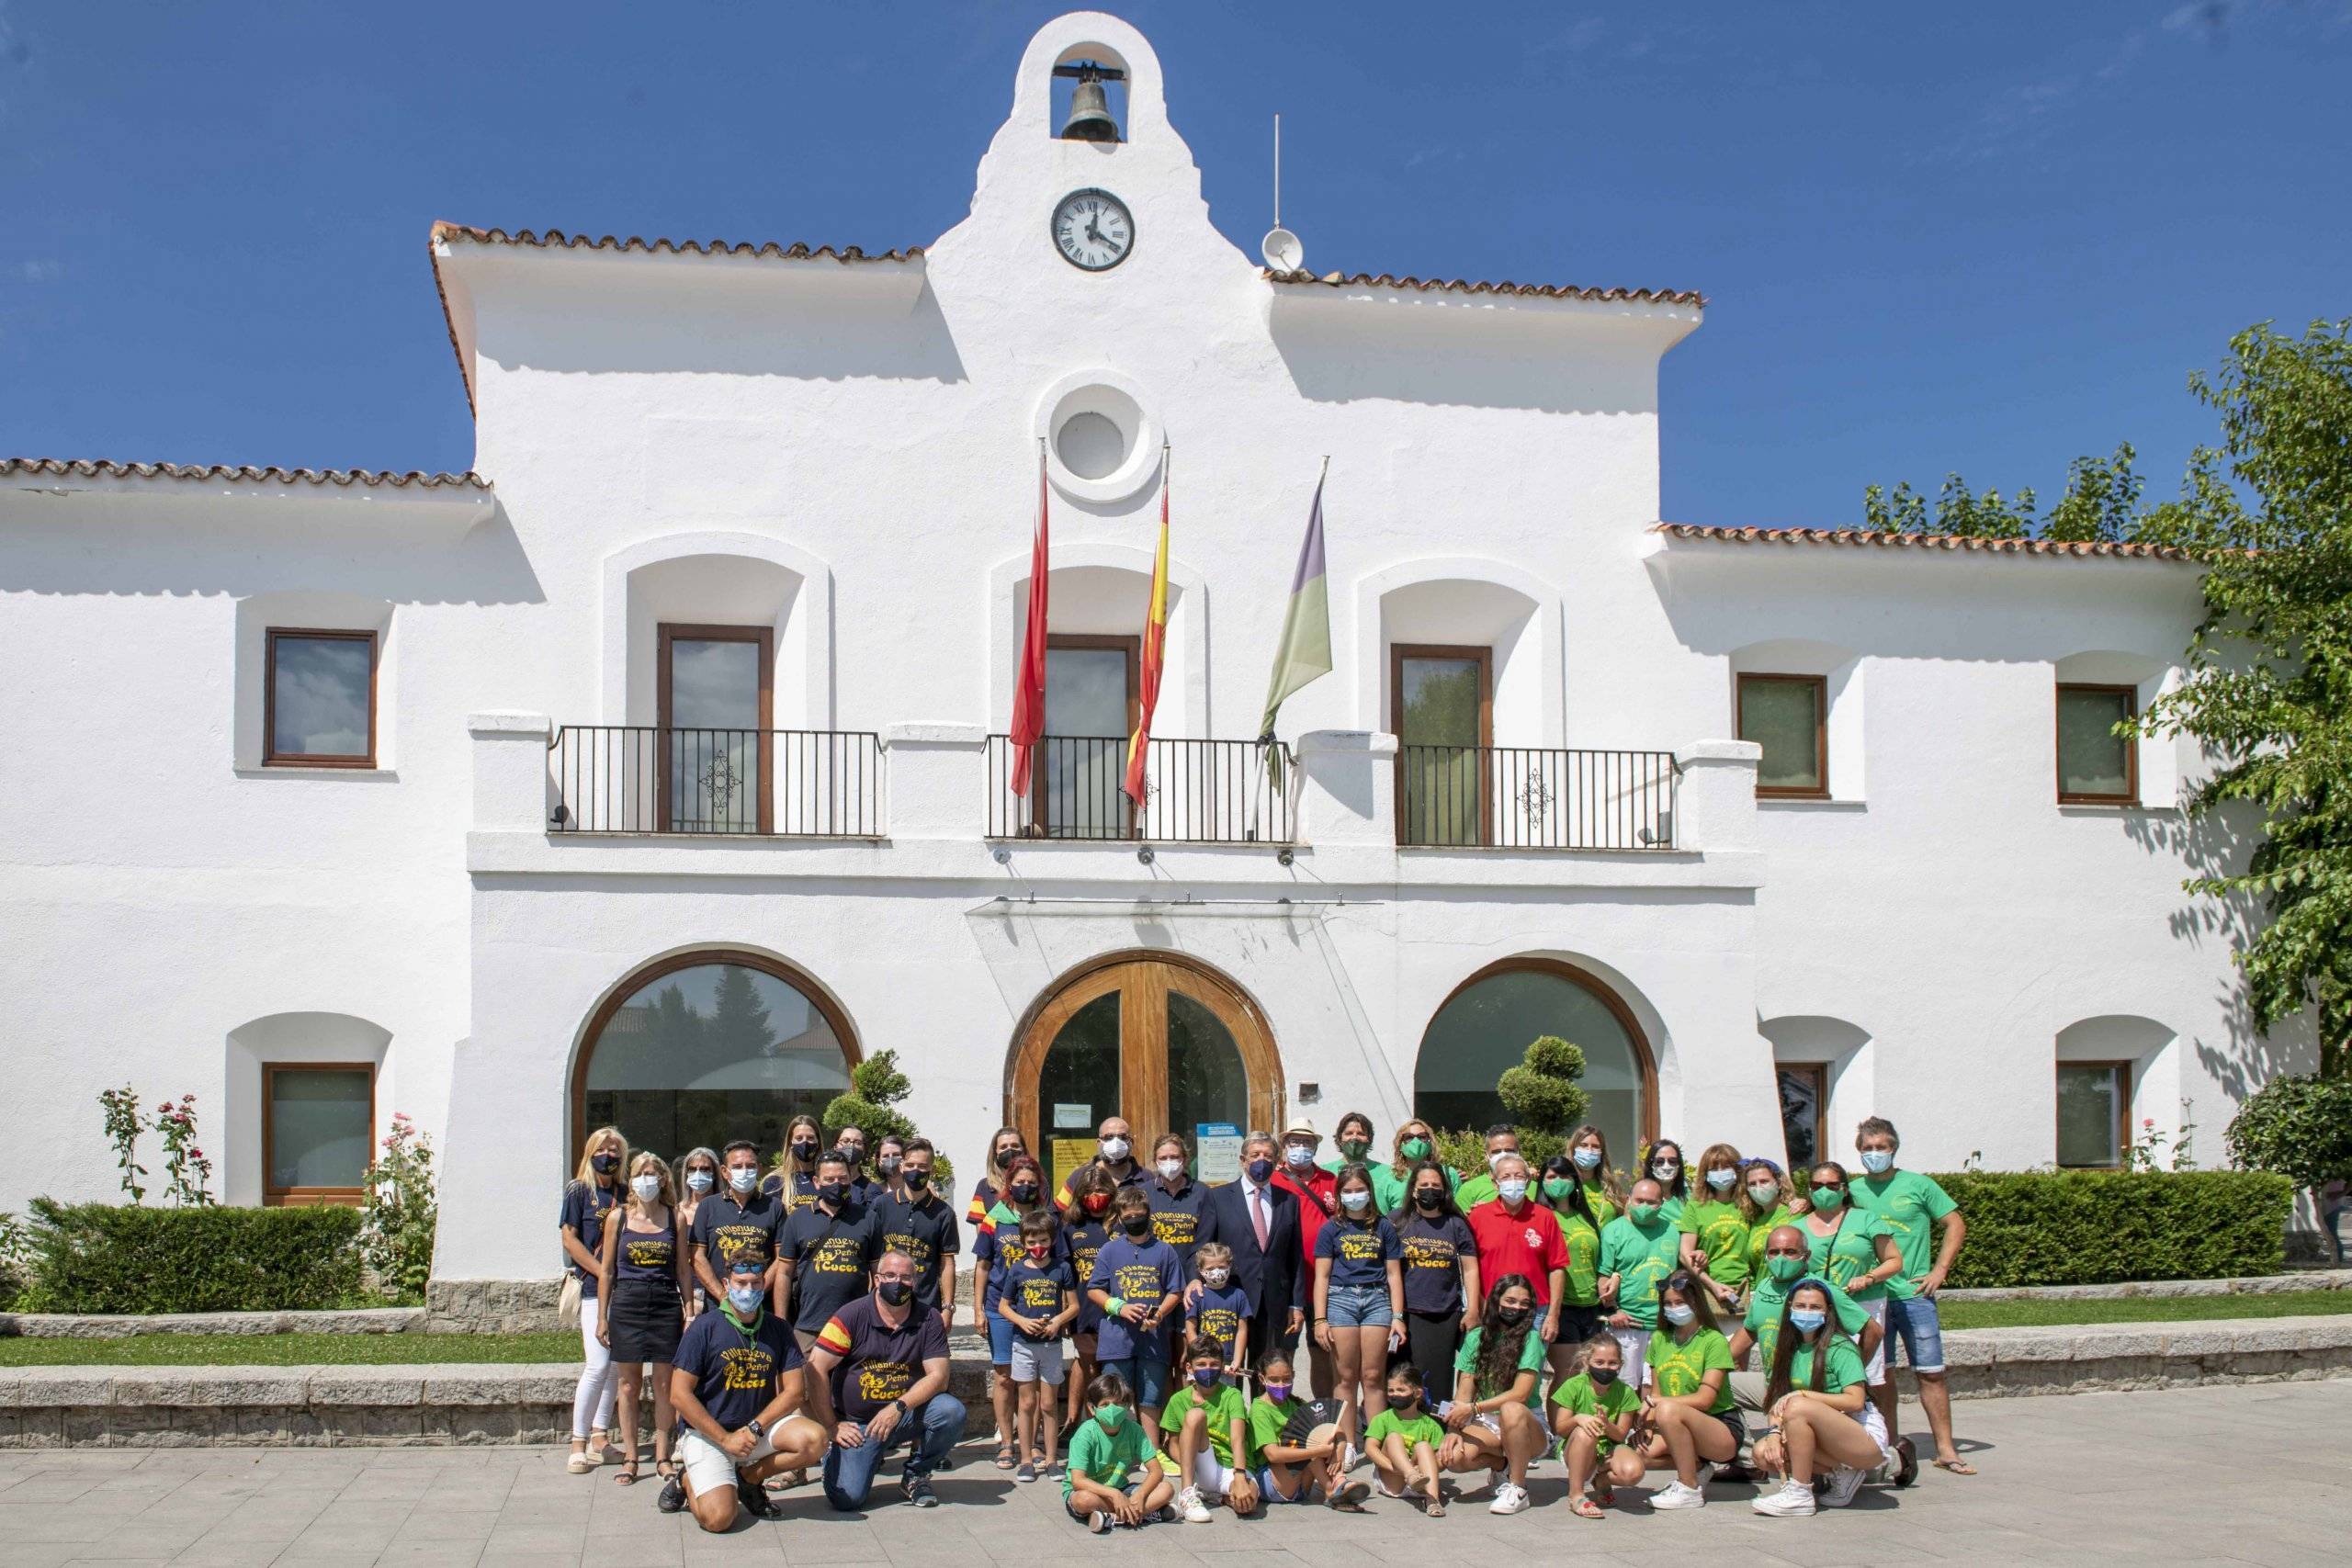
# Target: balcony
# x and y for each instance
(804, 783)
(1196, 792)
(1524, 797)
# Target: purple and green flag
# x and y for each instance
(1304, 651)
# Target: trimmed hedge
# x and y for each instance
(2098, 1227)
(115, 1257)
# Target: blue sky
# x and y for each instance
(1984, 237)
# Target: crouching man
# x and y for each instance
(737, 1387)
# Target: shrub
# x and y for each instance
(1540, 1093)
(398, 1222)
(875, 1086)
(2096, 1227)
(107, 1258)
(1464, 1149)
(2299, 1127)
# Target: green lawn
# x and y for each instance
(2141, 1308)
(287, 1349)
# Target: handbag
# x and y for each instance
(566, 1305)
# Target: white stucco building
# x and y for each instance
(647, 771)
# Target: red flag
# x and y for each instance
(1029, 685)
(1155, 652)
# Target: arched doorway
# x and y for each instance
(1157, 1038)
(701, 1048)
(1493, 1016)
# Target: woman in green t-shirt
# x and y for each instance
(1820, 1409)
(1852, 1248)
(1691, 1413)
(1714, 1228)
(1604, 1185)
(1492, 1422)
(1392, 1184)
(1766, 1202)
(1291, 1465)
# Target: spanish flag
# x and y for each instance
(1155, 650)
(835, 1336)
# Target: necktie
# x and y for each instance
(1258, 1215)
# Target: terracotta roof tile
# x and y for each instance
(555, 239)
(1465, 286)
(1874, 538)
(106, 468)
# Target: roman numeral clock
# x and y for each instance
(1093, 230)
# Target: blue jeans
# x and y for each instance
(930, 1432)
(1913, 1324)
(1146, 1375)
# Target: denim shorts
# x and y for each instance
(1915, 1326)
(1358, 1306)
(1000, 1337)
(1147, 1374)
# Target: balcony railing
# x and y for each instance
(1527, 798)
(612, 778)
(1195, 792)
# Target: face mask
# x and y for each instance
(1557, 1188)
(1024, 1192)
(1170, 1170)
(1416, 1148)
(1278, 1391)
(1721, 1180)
(1828, 1198)
(1764, 1197)
(895, 1293)
(1404, 1402)
(1005, 1157)
(1878, 1162)
(888, 1164)
(1495, 1156)
(1641, 1213)
(1666, 1169)
(745, 1299)
(1807, 1320)
(700, 1180)
(1601, 1376)
(1260, 1169)
(1137, 1225)
(854, 1153)
(1355, 1148)
(805, 1152)
(1300, 1155)
(1111, 1417)
(605, 1165)
(1784, 1269)
(1038, 1249)
(1429, 1200)
(1115, 1148)
(1095, 1202)
(1355, 1200)
(918, 1180)
(1215, 1278)
(832, 1193)
(1586, 1160)
(1513, 1189)
(1678, 1314)
(1205, 1377)
(1511, 1317)
(742, 1178)
(647, 1187)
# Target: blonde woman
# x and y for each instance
(641, 1282)
(1413, 1145)
(595, 1187)
(1603, 1183)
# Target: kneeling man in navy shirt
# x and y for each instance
(880, 1380)
(737, 1389)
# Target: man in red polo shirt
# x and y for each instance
(1318, 1194)
(1518, 1235)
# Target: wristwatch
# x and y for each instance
(900, 1407)
(753, 1427)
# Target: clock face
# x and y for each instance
(1093, 230)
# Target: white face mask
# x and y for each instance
(1300, 1155)
(647, 1187)
(746, 1299)
(1678, 1314)
(699, 1181)
(1170, 1170)
(1215, 1278)
(1115, 1148)
(1586, 1158)
(742, 1178)
(1720, 1179)
(1512, 1187)
(1356, 1199)
(1764, 1196)
(1666, 1169)
(1497, 1158)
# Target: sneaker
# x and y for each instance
(1792, 1501)
(1027, 1472)
(918, 1492)
(1508, 1499)
(1677, 1495)
(1844, 1483)
(1099, 1522)
(673, 1497)
(1196, 1512)
(1350, 1457)
(753, 1499)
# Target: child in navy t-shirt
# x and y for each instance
(1220, 1311)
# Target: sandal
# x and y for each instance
(1586, 1509)
(579, 1463)
(626, 1474)
(1004, 1460)
(1955, 1466)
(1434, 1511)
(667, 1469)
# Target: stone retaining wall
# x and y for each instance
(2243, 1285)
(2087, 1357)
(95, 1325)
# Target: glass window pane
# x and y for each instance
(715, 736)
(1083, 761)
(2092, 759)
(1438, 727)
(1488, 1027)
(711, 1054)
(714, 684)
(1784, 719)
(318, 696)
(2089, 1115)
(319, 1131)
(1801, 1114)
(1206, 1081)
(1078, 1086)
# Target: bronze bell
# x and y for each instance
(1089, 114)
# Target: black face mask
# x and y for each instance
(1511, 1318)
(856, 1156)
(1428, 1202)
(804, 1152)
(1025, 1193)
(894, 1291)
(1006, 1156)
(833, 1192)
(1261, 1172)
(916, 1179)
(1602, 1376)
(1135, 1224)
(605, 1165)
(1404, 1402)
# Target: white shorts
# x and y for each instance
(1875, 1425)
(708, 1466)
(1635, 1344)
(1875, 1373)
(1210, 1476)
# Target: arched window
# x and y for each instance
(706, 1048)
(1489, 1021)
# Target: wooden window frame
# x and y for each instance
(1644, 1058)
(669, 632)
(2130, 795)
(274, 1197)
(1820, 685)
(1102, 641)
(1820, 1073)
(271, 757)
(1481, 655)
(2123, 1071)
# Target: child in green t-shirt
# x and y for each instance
(1113, 1477)
(1207, 1427)
(1289, 1472)
(1403, 1439)
(1594, 1413)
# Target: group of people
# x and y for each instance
(1695, 1323)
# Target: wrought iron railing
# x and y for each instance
(1195, 792)
(1531, 797)
(613, 778)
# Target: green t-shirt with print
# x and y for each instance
(1767, 1296)
(1421, 1428)
(1604, 1208)
(1581, 1396)
(1721, 1233)
(1223, 1406)
(1910, 1203)
(1679, 1367)
(1107, 1458)
(1266, 1420)
(1641, 1260)
(1843, 1371)
(1759, 1234)
(1849, 1252)
(1584, 1259)
(1476, 1189)
(1531, 1359)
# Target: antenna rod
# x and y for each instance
(1278, 170)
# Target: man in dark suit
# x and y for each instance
(1259, 1221)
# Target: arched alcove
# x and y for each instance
(1770, 682)
(2117, 1079)
(1824, 1074)
(1486, 1023)
(305, 1094)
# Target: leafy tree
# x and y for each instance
(1958, 510)
(739, 1024)
(2298, 1126)
(2101, 502)
(875, 1086)
(1542, 1093)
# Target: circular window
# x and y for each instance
(1090, 445)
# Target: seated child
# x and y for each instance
(1114, 1475)
(1403, 1442)
(1208, 1428)
(1594, 1413)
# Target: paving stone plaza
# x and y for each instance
(2249, 1473)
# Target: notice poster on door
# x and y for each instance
(1064, 1155)
(1080, 1115)
(1218, 1146)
